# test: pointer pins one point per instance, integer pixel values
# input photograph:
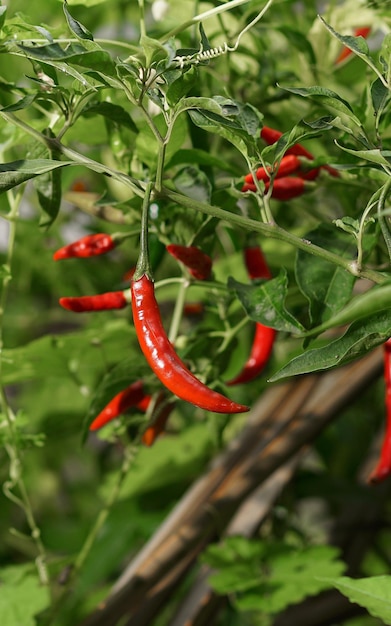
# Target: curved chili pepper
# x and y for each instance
(285, 188)
(197, 262)
(271, 136)
(345, 53)
(264, 336)
(162, 358)
(90, 245)
(383, 468)
(101, 302)
(134, 395)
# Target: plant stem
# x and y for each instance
(143, 264)
(178, 310)
(15, 467)
(275, 232)
(382, 220)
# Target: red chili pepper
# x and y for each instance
(383, 468)
(193, 308)
(264, 336)
(159, 423)
(162, 358)
(90, 245)
(101, 302)
(133, 395)
(289, 165)
(271, 136)
(362, 31)
(197, 262)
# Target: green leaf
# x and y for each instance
(76, 54)
(154, 51)
(380, 96)
(264, 302)
(293, 577)
(302, 130)
(16, 582)
(192, 182)
(48, 185)
(78, 29)
(358, 340)
(17, 172)
(113, 112)
(373, 301)
(373, 593)
(298, 41)
(23, 103)
(327, 287)
(331, 100)
(3, 11)
(381, 157)
(194, 156)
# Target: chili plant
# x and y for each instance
(248, 140)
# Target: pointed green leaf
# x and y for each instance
(78, 29)
(17, 172)
(358, 340)
(373, 593)
(265, 303)
(327, 287)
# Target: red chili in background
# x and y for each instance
(362, 31)
(285, 188)
(159, 422)
(162, 358)
(100, 302)
(383, 468)
(271, 136)
(288, 165)
(90, 245)
(197, 262)
(133, 395)
(264, 337)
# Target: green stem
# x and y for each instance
(141, 7)
(275, 232)
(178, 311)
(143, 264)
(201, 17)
(382, 220)
(12, 448)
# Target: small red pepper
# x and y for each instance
(193, 309)
(197, 262)
(162, 358)
(383, 468)
(90, 245)
(288, 188)
(101, 302)
(134, 395)
(345, 53)
(264, 336)
(159, 421)
(289, 165)
(271, 136)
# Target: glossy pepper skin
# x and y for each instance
(100, 302)
(271, 136)
(197, 262)
(264, 337)
(90, 245)
(383, 468)
(162, 358)
(285, 188)
(133, 395)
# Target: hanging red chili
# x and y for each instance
(383, 468)
(345, 53)
(271, 136)
(90, 245)
(288, 188)
(101, 302)
(159, 421)
(197, 262)
(264, 337)
(288, 165)
(162, 358)
(134, 395)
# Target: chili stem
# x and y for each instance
(143, 264)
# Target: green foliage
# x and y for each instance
(99, 102)
(266, 578)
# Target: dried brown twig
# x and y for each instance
(283, 423)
